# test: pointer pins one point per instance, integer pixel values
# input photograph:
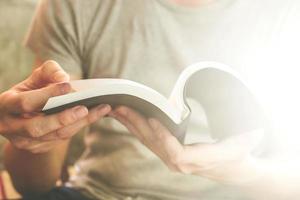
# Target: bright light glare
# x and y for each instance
(277, 81)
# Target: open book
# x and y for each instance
(230, 106)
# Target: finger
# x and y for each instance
(94, 115)
(68, 131)
(163, 134)
(151, 133)
(24, 143)
(49, 72)
(34, 100)
(19, 142)
(126, 123)
(41, 125)
(135, 119)
(172, 147)
(154, 135)
(34, 145)
(42, 147)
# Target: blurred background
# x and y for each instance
(16, 63)
(15, 60)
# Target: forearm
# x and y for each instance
(34, 173)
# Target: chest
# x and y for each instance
(152, 47)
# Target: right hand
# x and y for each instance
(21, 121)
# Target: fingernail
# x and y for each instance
(153, 123)
(65, 88)
(121, 111)
(103, 108)
(81, 111)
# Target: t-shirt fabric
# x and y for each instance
(151, 42)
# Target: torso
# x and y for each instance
(151, 41)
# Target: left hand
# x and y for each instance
(227, 161)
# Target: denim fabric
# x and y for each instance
(59, 193)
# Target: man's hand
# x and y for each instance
(227, 161)
(26, 127)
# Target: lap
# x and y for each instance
(59, 193)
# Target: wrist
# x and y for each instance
(246, 172)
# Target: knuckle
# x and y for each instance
(24, 104)
(66, 118)
(33, 130)
(19, 145)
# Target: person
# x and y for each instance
(150, 42)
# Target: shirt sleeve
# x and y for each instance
(53, 35)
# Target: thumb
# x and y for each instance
(49, 72)
(34, 100)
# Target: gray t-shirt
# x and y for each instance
(151, 41)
